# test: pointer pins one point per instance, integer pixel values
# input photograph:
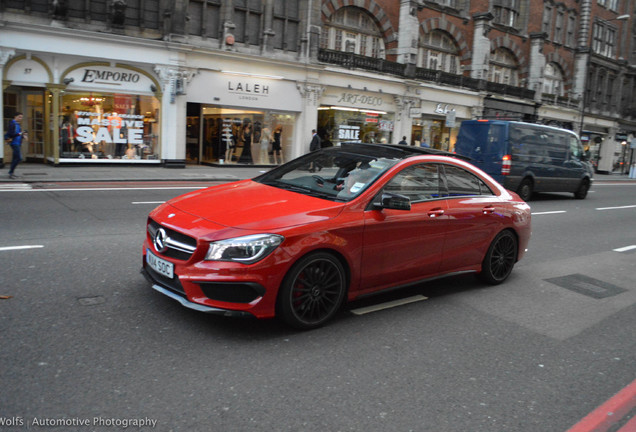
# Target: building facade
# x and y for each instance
(232, 81)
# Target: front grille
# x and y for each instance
(180, 246)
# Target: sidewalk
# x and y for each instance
(46, 173)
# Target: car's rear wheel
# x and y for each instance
(581, 192)
(525, 189)
(500, 258)
(312, 291)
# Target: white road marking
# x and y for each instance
(9, 248)
(388, 305)
(616, 208)
(148, 202)
(625, 249)
(549, 212)
(14, 186)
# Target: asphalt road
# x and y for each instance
(87, 344)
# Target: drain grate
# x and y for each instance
(587, 286)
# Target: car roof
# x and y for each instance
(392, 150)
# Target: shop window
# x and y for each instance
(240, 136)
(354, 30)
(438, 51)
(286, 24)
(109, 126)
(337, 125)
(433, 133)
(503, 68)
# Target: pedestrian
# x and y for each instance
(314, 146)
(14, 136)
(424, 143)
(315, 141)
(403, 142)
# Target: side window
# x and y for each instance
(575, 148)
(557, 147)
(418, 183)
(462, 183)
(495, 140)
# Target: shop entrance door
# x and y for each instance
(34, 123)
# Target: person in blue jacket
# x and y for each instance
(15, 135)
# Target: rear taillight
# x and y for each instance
(505, 165)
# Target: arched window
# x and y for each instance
(503, 67)
(438, 51)
(353, 30)
(553, 80)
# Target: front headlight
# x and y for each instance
(247, 250)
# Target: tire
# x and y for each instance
(525, 189)
(312, 291)
(581, 192)
(500, 258)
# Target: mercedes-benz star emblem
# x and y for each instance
(160, 240)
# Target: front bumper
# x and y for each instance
(187, 303)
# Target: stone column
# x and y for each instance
(54, 115)
(537, 64)
(481, 46)
(403, 121)
(173, 80)
(581, 58)
(308, 119)
(409, 32)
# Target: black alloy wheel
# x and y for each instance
(525, 189)
(312, 291)
(500, 258)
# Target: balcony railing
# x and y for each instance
(355, 61)
(562, 101)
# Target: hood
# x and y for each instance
(253, 206)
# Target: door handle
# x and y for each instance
(436, 212)
(488, 210)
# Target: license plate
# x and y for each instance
(159, 265)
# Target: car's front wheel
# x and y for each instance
(581, 192)
(312, 291)
(500, 258)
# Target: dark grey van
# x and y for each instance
(526, 157)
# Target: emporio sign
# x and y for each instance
(109, 76)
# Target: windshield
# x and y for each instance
(334, 174)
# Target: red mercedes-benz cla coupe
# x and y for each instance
(331, 226)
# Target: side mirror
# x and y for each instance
(392, 201)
